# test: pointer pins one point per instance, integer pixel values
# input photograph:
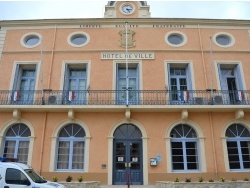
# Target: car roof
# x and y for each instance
(15, 164)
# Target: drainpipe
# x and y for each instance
(213, 144)
(202, 57)
(42, 142)
(52, 56)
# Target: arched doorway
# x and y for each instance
(127, 155)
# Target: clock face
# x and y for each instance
(127, 9)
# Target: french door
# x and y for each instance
(231, 84)
(26, 91)
(75, 84)
(131, 96)
(179, 83)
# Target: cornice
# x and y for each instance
(189, 21)
(115, 50)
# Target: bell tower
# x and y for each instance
(127, 9)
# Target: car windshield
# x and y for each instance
(34, 176)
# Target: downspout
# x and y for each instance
(202, 57)
(213, 144)
(46, 114)
(42, 143)
(52, 56)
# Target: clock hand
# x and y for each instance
(129, 9)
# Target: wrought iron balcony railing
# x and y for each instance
(123, 97)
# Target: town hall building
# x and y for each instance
(126, 97)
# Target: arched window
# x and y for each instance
(70, 150)
(238, 147)
(16, 144)
(184, 148)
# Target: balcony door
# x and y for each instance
(179, 83)
(24, 84)
(75, 84)
(131, 96)
(231, 83)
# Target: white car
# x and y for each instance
(19, 175)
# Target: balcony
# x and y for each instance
(123, 97)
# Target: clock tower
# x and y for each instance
(127, 9)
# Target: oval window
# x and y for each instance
(224, 40)
(176, 39)
(78, 39)
(31, 40)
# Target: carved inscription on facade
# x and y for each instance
(130, 55)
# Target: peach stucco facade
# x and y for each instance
(101, 57)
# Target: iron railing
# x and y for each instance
(119, 97)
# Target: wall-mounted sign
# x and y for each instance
(153, 162)
(130, 55)
(120, 159)
(135, 159)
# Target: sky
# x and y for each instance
(60, 9)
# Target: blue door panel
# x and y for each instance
(136, 177)
(120, 177)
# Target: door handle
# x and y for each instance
(6, 187)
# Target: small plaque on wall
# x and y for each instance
(153, 162)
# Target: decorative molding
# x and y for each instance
(129, 41)
(17, 114)
(71, 114)
(239, 114)
(184, 114)
(127, 114)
